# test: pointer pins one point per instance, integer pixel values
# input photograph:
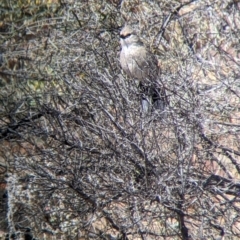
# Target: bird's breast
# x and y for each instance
(133, 61)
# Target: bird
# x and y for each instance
(139, 63)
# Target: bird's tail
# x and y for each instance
(153, 98)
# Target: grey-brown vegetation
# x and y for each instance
(77, 159)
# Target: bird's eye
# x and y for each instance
(125, 36)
